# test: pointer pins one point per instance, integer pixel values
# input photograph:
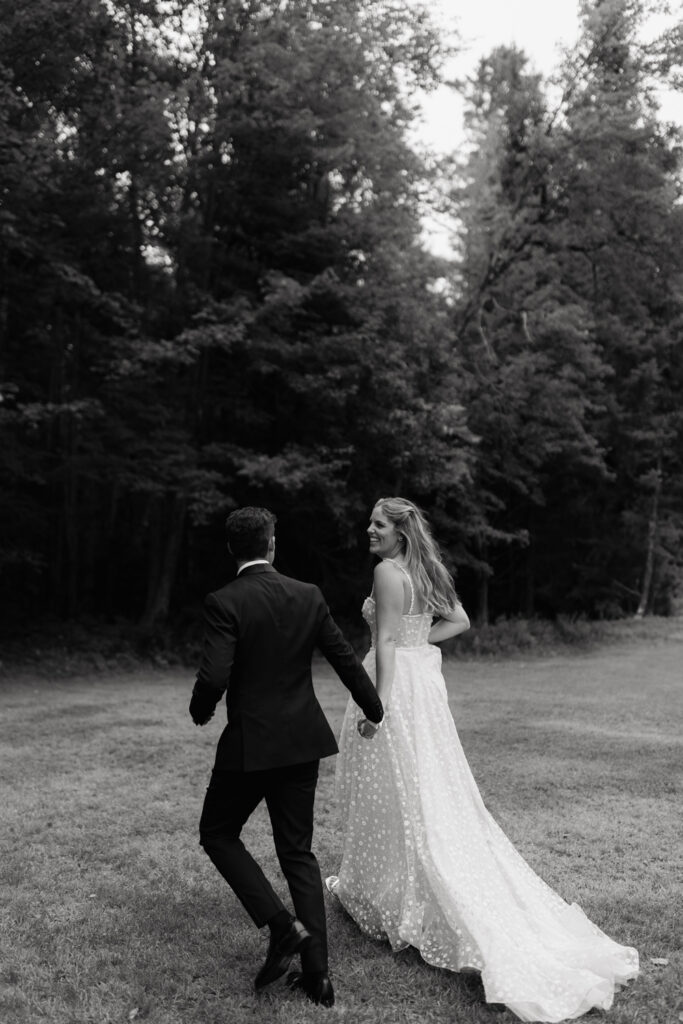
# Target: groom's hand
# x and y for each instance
(367, 729)
(201, 719)
(200, 711)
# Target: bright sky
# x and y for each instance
(539, 27)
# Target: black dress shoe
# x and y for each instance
(281, 949)
(317, 987)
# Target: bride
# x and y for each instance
(423, 862)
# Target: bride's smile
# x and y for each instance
(384, 539)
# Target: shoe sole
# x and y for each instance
(289, 953)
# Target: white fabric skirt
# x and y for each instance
(424, 864)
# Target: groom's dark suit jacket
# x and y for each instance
(260, 634)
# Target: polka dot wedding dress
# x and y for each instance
(424, 863)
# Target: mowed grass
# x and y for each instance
(111, 912)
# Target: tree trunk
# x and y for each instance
(482, 613)
(164, 562)
(137, 238)
(483, 574)
(530, 579)
(134, 203)
(109, 534)
(71, 532)
(4, 302)
(652, 525)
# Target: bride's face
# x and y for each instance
(385, 540)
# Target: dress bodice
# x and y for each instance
(413, 631)
(414, 628)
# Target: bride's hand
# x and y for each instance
(367, 729)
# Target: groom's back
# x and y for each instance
(278, 620)
(274, 717)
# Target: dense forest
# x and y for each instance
(215, 290)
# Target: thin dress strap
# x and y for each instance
(410, 582)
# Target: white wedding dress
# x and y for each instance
(424, 864)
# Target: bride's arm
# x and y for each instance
(449, 625)
(389, 602)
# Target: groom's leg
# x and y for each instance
(290, 796)
(230, 799)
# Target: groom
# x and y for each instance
(260, 635)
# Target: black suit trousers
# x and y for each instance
(289, 793)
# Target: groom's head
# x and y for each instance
(251, 534)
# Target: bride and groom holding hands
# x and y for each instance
(423, 862)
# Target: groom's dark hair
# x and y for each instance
(249, 531)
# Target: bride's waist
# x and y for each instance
(421, 645)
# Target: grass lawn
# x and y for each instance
(111, 912)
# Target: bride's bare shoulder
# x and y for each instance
(386, 569)
(387, 577)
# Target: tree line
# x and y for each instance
(215, 290)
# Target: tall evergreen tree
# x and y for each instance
(621, 188)
(569, 309)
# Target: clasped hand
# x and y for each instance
(367, 729)
(200, 714)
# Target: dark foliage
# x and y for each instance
(214, 291)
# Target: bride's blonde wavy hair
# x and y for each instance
(433, 583)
